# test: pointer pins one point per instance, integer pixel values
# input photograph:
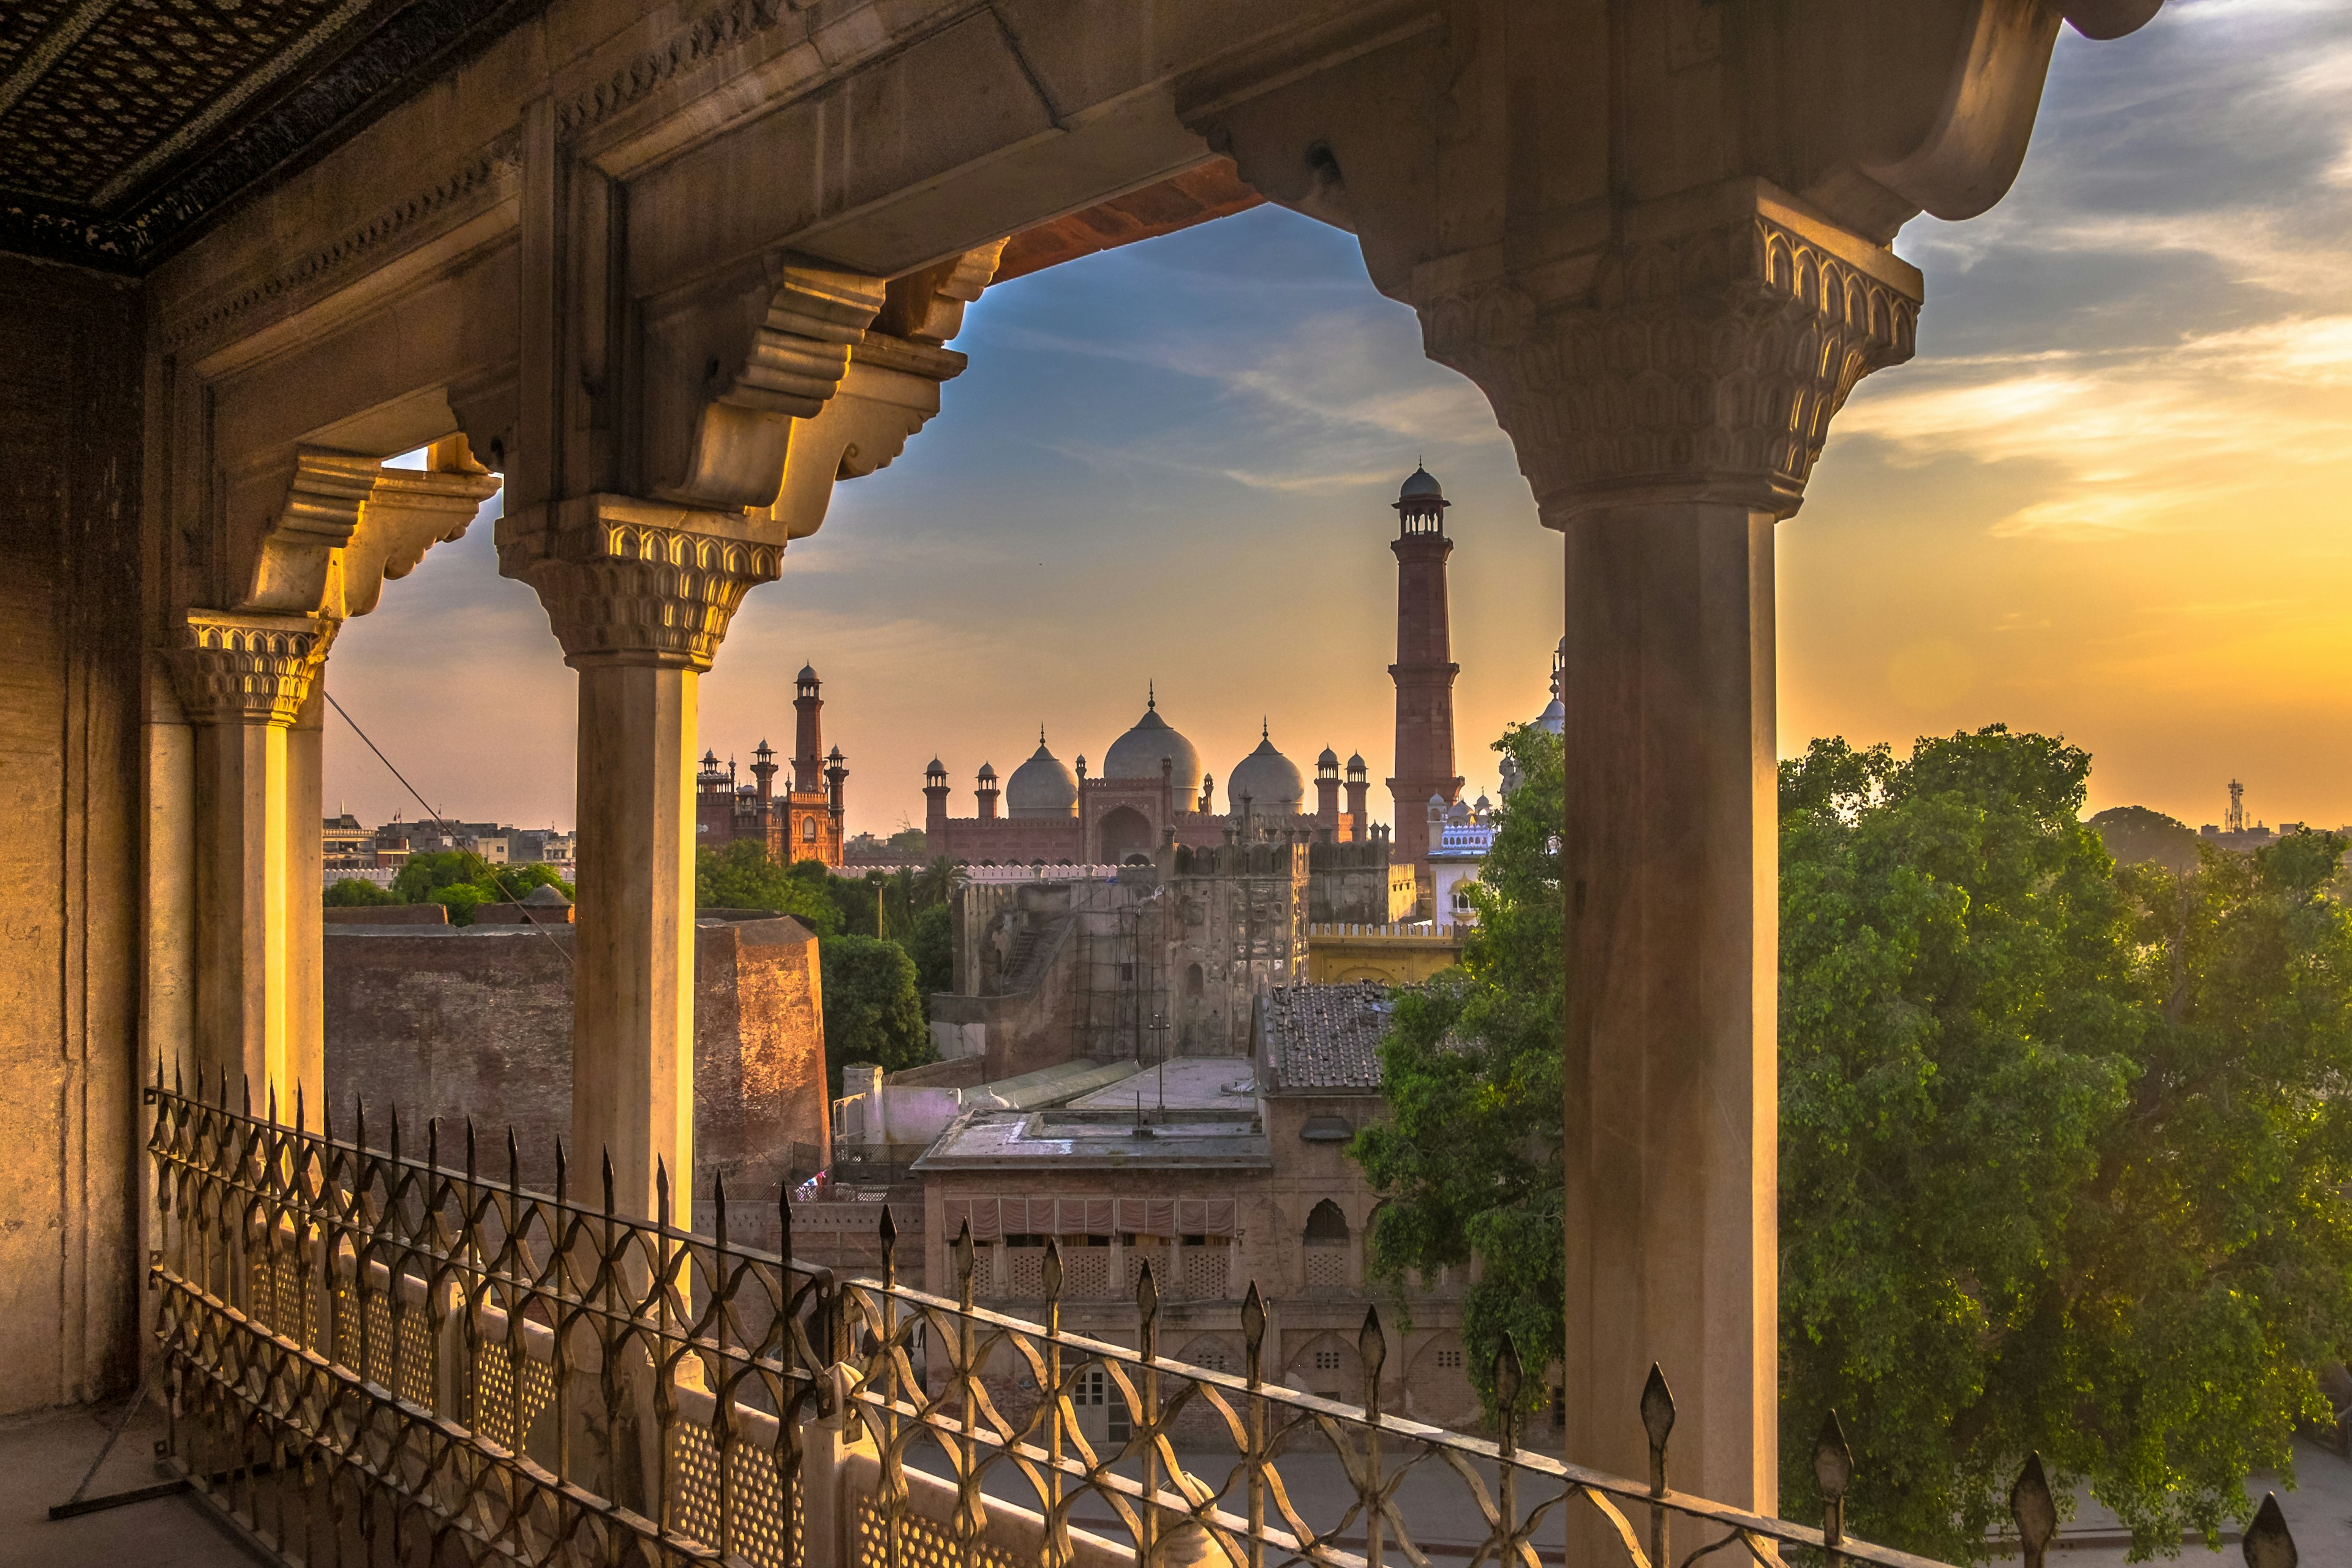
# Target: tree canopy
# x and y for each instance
(2061, 1156)
(1470, 1158)
(2135, 834)
(741, 876)
(464, 881)
(357, 892)
(872, 1013)
(2064, 1146)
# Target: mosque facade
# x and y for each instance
(802, 821)
(1145, 797)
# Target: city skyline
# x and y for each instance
(2100, 502)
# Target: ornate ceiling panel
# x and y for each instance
(125, 125)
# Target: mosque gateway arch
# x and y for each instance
(664, 275)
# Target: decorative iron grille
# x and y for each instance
(373, 1359)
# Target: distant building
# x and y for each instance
(800, 822)
(1216, 1171)
(1141, 961)
(1145, 797)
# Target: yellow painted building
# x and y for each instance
(1391, 955)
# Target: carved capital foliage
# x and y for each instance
(798, 354)
(1704, 365)
(631, 582)
(233, 668)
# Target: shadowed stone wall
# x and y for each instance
(479, 1021)
(69, 638)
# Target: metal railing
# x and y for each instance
(371, 1358)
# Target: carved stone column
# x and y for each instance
(243, 678)
(640, 595)
(1668, 396)
(336, 526)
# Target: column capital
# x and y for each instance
(245, 668)
(1697, 353)
(631, 582)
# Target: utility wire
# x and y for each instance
(443, 822)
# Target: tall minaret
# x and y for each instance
(1424, 669)
(808, 739)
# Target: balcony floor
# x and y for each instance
(42, 1458)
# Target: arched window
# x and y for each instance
(1326, 1251)
(808, 829)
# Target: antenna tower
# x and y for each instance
(2236, 821)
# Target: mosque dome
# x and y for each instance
(1041, 787)
(1329, 759)
(1420, 485)
(1267, 778)
(1137, 754)
(1553, 719)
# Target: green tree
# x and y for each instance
(1469, 1159)
(2065, 1149)
(2063, 1153)
(742, 877)
(930, 943)
(2134, 834)
(937, 882)
(912, 842)
(872, 1013)
(355, 892)
(420, 874)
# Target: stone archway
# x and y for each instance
(1120, 833)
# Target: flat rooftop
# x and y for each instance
(1192, 1113)
(1226, 1084)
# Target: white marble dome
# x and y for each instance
(1042, 786)
(1268, 779)
(1137, 754)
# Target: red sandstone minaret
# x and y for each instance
(808, 741)
(1425, 668)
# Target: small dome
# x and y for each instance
(1420, 485)
(1356, 763)
(1041, 787)
(1137, 754)
(1329, 759)
(808, 671)
(937, 767)
(1267, 779)
(987, 772)
(1553, 719)
(547, 895)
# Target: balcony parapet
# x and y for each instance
(361, 1346)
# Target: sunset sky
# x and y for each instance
(2106, 500)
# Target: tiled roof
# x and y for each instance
(1324, 1036)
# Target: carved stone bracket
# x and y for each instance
(235, 667)
(294, 571)
(407, 513)
(631, 582)
(798, 354)
(892, 390)
(1698, 362)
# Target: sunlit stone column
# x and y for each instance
(640, 595)
(243, 680)
(306, 997)
(1667, 399)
